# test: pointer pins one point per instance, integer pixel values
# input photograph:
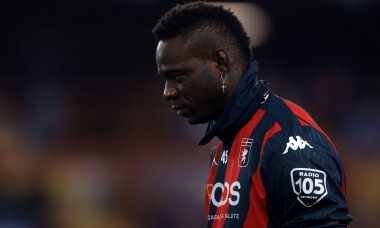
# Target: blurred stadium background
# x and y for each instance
(86, 140)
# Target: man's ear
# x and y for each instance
(222, 60)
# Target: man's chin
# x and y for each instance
(194, 121)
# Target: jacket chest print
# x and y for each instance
(245, 151)
(243, 156)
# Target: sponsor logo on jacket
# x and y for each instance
(228, 193)
(309, 185)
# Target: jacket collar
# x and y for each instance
(244, 102)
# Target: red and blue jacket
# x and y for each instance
(274, 167)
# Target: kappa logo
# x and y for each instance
(295, 145)
(214, 162)
(309, 185)
(245, 148)
(214, 150)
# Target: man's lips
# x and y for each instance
(181, 110)
(177, 107)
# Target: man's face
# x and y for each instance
(192, 84)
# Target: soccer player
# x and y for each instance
(274, 167)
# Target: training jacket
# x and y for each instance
(274, 167)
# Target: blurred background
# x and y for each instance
(86, 140)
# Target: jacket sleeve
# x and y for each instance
(304, 180)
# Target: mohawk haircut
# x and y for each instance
(205, 27)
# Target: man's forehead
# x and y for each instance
(169, 45)
(172, 50)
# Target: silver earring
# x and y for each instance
(223, 77)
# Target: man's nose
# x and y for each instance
(169, 92)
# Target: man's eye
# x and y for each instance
(178, 77)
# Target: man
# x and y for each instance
(274, 167)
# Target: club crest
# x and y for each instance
(245, 148)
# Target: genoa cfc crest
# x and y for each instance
(245, 148)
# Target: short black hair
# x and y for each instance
(205, 27)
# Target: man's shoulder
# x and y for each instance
(293, 124)
(286, 113)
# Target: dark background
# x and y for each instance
(86, 139)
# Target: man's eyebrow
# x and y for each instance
(168, 72)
